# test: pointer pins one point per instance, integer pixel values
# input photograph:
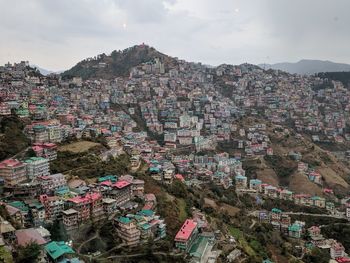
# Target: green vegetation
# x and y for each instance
(117, 64)
(317, 255)
(170, 211)
(13, 139)
(88, 165)
(182, 209)
(57, 230)
(249, 245)
(5, 255)
(235, 232)
(340, 232)
(286, 205)
(343, 77)
(318, 220)
(106, 234)
(93, 246)
(28, 254)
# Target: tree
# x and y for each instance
(5, 255)
(178, 189)
(317, 255)
(57, 231)
(28, 254)
(114, 55)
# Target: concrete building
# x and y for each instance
(53, 206)
(127, 231)
(88, 206)
(337, 250)
(186, 235)
(13, 172)
(52, 182)
(120, 191)
(70, 219)
(37, 166)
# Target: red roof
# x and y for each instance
(89, 197)
(37, 148)
(179, 177)
(147, 207)
(44, 177)
(186, 230)
(121, 184)
(49, 144)
(343, 260)
(106, 183)
(10, 163)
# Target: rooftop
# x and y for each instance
(121, 184)
(10, 163)
(186, 230)
(58, 249)
(26, 236)
(35, 159)
(89, 197)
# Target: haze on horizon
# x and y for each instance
(57, 34)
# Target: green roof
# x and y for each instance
(20, 205)
(124, 220)
(199, 246)
(36, 204)
(294, 228)
(315, 198)
(39, 126)
(58, 249)
(276, 210)
(33, 159)
(112, 178)
(146, 212)
(145, 226)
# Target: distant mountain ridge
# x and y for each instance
(45, 72)
(308, 66)
(119, 63)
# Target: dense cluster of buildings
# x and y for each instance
(256, 187)
(282, 222)
(172, 117)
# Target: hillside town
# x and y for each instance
(114, 152)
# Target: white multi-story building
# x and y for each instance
(337, 250)
(37, 166)
(55, 133)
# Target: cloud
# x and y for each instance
(58, 34)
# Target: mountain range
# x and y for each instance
(119, 63)
(308, 66)
(45, 72)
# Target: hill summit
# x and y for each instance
(117, 64)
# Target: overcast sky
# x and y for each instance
(56, 34)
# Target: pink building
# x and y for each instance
(88, 206)
(337, 250)
(186, 235)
